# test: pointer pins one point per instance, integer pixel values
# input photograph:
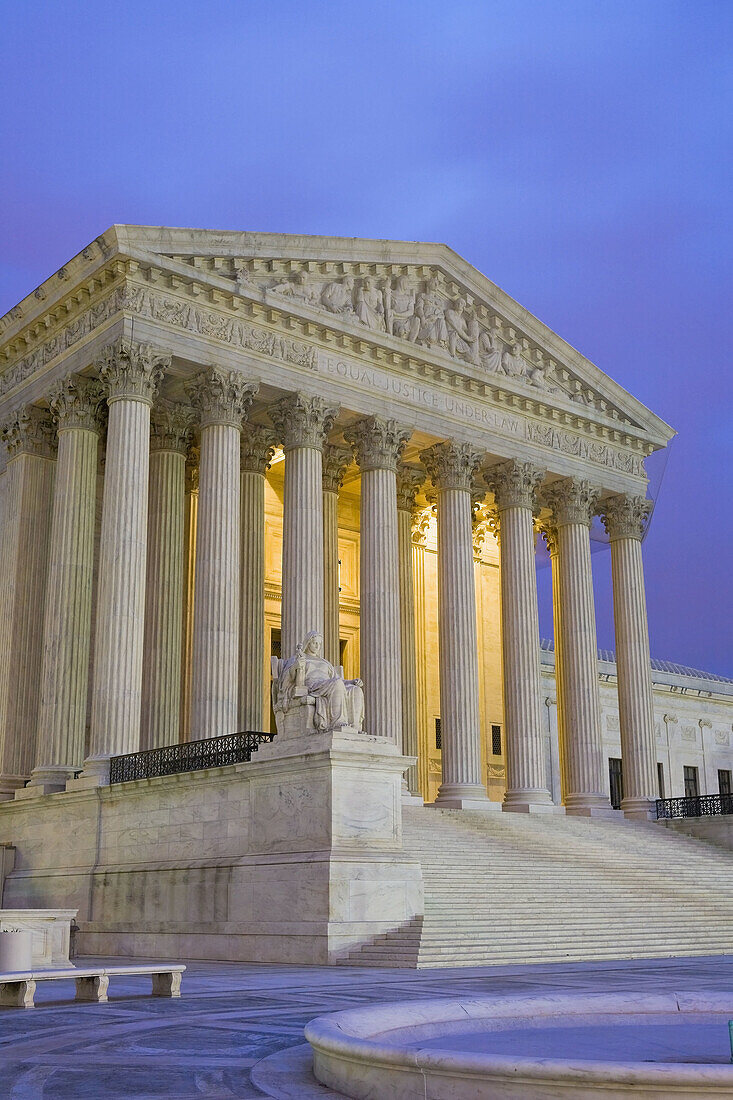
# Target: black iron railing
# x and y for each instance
(191, 756)
(700, 805)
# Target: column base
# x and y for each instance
(94, 774)
(591, 805)
(49, 780)
(9, 784)
(528, 800)
(639, 809)
(464, 796)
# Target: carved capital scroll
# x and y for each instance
(170, 427)
(625, 516)
(257, 447)
(572, 500)
(409, 480)
(302, 420)
(515, 483)
(221, 396)
(336, 461)
(77, 402)
(132, 371)
(452, 465)
(29, 431)
(378, 442)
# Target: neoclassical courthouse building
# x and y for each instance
(217, 444)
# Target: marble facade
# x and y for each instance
(216, 443)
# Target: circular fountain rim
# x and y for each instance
(342, 1039)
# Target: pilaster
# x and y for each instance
(409, 480)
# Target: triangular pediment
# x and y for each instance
(417, 299)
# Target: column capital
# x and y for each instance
(420, 525)
(452, 465)
(336, 461)
(302, 420)
(171, 427)
(625, 516)
(78, 402)
(572, 500)
(29, 430)
(132, 371)
(256, 448)
(549, 534)
(221, 396)
(514, 483)
(377, 442)
(409, 480)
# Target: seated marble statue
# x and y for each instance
(307, 677)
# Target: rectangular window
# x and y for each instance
(724, 781)
(660, 779)
(692, 787)
(438, 742)
(616, 778)
(496, 740)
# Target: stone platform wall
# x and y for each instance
(291, 859)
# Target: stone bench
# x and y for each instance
(17, 989)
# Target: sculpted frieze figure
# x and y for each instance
(310, 695)
(298, 286)
(430, 309)
(491, 350)
(399, 309)
(463, 331)
(370, 304)
(338, 297)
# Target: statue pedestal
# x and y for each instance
(326, 828)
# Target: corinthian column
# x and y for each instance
(190, 513)
(257, 449)
(625, 520)
(169, 439)
(409, 481)
(131, 374)
(302, 422)
(572, 502)
(76, 406)
(451, 467)
(378, 445)
(335, 462)
(222, 399)
(29, 439)
(515, 485)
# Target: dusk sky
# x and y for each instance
(578, 153)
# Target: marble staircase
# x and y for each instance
(515, 888)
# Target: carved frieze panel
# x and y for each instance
(421, 306)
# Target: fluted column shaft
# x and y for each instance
(302, 422)
(378, 445)
(256, 452)
(190, 514)
(451, 467)
(420, 520)
(335, 461)
(573, 502)
(160, 722)
(550, 534)
(28, 490)
(514, 485)
(408, 482)
(625, 517)
(68, 612)
(222, 398)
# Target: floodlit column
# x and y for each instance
(409, 481)
(378, 444)
(257, 449)
(515, 485)
(420, 524)
(169, 439)
(451, 467)
(572, 502)
(190, 513)
(28, 494)
(549, 534)
(335, 462)
(131, 374)
(77, 408)
(625, 519)
(222, 399)
(302, 422)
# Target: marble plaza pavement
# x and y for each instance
(237, 1032)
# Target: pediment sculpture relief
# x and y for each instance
(426, 313)
(310, 695)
